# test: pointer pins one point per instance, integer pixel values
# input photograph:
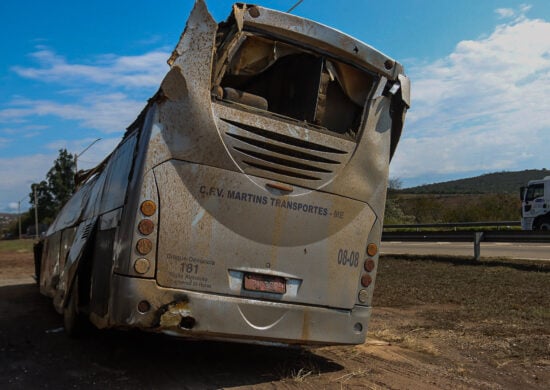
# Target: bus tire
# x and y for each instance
(75, 324)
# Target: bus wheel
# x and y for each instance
(545, 225)
(74, 322)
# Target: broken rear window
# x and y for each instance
(296, 83)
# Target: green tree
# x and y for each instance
(61, 179)
(55, 191)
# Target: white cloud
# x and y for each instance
(107, 113)
(505, 12)
(110, 111)
(138, 71)
(482, 108)
(516, 14)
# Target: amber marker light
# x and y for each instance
(146, 227)
(369, 265)
(144, 246)
(372, 249)
(366, 280)
(148, 208)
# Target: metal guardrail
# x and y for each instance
(468, 236)
(476, 237)
(455, 225)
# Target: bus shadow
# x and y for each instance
(36, 350)
(206, 364)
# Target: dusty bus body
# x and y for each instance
(246, 201)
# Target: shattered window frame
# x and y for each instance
(340, 73)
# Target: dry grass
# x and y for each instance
(497, 309)
(414, 340)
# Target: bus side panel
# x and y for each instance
(49, 269)
(56, 249)
(101, 271)
(67, 238)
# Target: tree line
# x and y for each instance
(405, 208)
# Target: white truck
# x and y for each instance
(535, 205)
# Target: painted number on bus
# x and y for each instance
(349, 258)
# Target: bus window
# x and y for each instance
(117, 175)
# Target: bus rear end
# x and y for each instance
(259, 213)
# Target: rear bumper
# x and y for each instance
(208, 316)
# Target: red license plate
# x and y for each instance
(265, 283)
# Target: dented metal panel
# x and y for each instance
(313, 34)
(245, 202)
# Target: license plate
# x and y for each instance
(265, 283)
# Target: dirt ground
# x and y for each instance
(438, 323)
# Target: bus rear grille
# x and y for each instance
(289, 157)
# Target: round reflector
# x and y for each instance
(369, 265)
(144, 246)
(363, 296)
(141, 266)
(372, 249)
(148, 208)
(146, 227)
(366, 280)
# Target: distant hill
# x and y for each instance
(491, 183)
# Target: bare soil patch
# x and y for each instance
(437, 323)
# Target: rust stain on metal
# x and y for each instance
(174, 313)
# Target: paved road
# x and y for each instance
(526, 251)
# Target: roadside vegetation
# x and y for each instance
(405, 206)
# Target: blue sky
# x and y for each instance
(72, 72)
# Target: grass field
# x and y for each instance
(19, 246)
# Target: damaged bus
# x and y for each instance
(246, 201)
